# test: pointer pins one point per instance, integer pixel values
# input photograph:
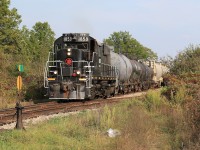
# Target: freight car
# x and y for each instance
(79, 67)
(158, 71)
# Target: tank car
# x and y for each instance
(132, 75)
(158, 71)
(124, 71)
(141, 76)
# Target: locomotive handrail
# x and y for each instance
(45, 77)
(111, 69)
(46, 70)
(61, 73)
(49, 55)
(93, 56)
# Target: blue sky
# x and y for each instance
(165, 26)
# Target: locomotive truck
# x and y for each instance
(80, 68)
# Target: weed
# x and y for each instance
(153, 100)
(107, 118)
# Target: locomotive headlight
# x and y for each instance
(68, 53)
(78, 72)
(69, 49)
(55, 72)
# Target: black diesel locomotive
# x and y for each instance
(82, 68)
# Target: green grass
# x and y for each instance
(155, 124)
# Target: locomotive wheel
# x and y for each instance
(129, 89)
(105, 97)
(105, 94)
(112, 94)
(116, 90)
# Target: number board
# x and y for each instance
(76, 37)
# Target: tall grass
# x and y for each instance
(150, 123)
(87, 130)
(153, 100)
(107, 118)
(180, 96)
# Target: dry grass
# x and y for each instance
(153, 124)
(142, 131)
(87, 130)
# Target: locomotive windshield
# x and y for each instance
(76, 45)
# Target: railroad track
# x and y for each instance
(8, 116)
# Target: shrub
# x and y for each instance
(186, 61)
(153, 100)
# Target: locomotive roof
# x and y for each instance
(79, 34)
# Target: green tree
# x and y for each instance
(41, 38)
(36, 43)
(123, 42)
(9, 32)
(29, 47)
(34, 46)
(187, 61)
(167, 61)
(25, 45)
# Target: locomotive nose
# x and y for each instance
(66, 86)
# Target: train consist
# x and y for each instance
(82, 68)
